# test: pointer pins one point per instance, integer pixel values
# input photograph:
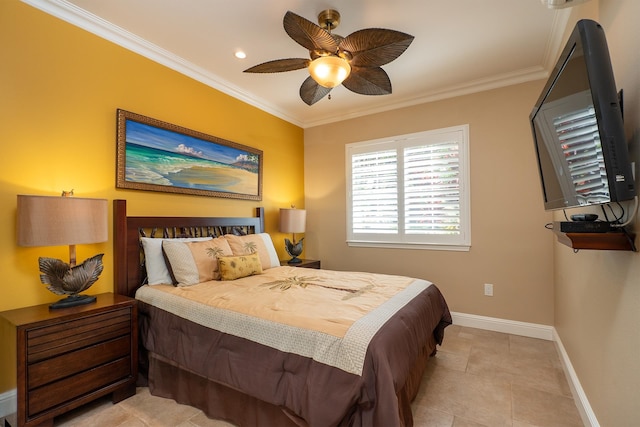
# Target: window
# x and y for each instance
(410, 191)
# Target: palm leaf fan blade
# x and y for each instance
(368, 81)
(307, 34)
(279, 65)
(374, 47)
(311, 92)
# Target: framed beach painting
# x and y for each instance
(158, 156)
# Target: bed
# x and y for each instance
(353, 354)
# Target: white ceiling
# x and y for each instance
(460, 46)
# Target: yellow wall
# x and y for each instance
(59, 90)
(510, 247)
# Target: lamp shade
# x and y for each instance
(57, 221)
(292, 220)
(329, 71)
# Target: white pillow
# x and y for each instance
(157, 271)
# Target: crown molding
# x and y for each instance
(79, 17)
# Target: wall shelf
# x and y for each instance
(613, 240)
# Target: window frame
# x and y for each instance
(458, 242)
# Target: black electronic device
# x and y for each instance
(577, 127)
(584, 217)
(585, 227)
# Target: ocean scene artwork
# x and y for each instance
(174, 161)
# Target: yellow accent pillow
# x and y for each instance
(236, 267)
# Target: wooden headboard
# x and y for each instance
(130, 271)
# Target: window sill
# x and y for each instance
(419, 246)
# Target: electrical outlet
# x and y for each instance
(488, 289)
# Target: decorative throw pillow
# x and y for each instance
(157, 271)
(195, 262)
(255, 243)
(236, 267)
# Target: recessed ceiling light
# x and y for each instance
(240, 54)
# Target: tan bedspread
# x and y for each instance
(329, 315)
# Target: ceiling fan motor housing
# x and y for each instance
(329, 19)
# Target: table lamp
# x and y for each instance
(293, 221)
(57, 221)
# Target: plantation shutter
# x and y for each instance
(375, 192)
(431, 189)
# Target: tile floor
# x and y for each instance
(478, 378)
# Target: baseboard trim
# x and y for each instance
(544, 332)
(8, 403)
(532, 330)
(584, 407)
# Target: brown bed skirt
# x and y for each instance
(215, 400)
(223, 403)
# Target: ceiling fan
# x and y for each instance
(354, 60)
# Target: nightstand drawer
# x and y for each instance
(62, 366)
(59, 392)
(50, 341)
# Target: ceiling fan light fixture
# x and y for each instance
(329, 71)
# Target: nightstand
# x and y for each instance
(67, 357)
(306, 263)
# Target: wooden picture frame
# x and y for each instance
(157, 156)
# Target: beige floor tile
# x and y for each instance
(525, 346)
(481, 399)
(547, 379)
(451, 360)
(462, 422)
(453, 341)
(157, 411)
(541, 408)
(96, 413)
(201, 420)
(468, 338)
(483, 336)
(129, 422)
(425, 417)
(526, 369)
(522, 424)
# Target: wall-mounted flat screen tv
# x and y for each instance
(578, 129)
